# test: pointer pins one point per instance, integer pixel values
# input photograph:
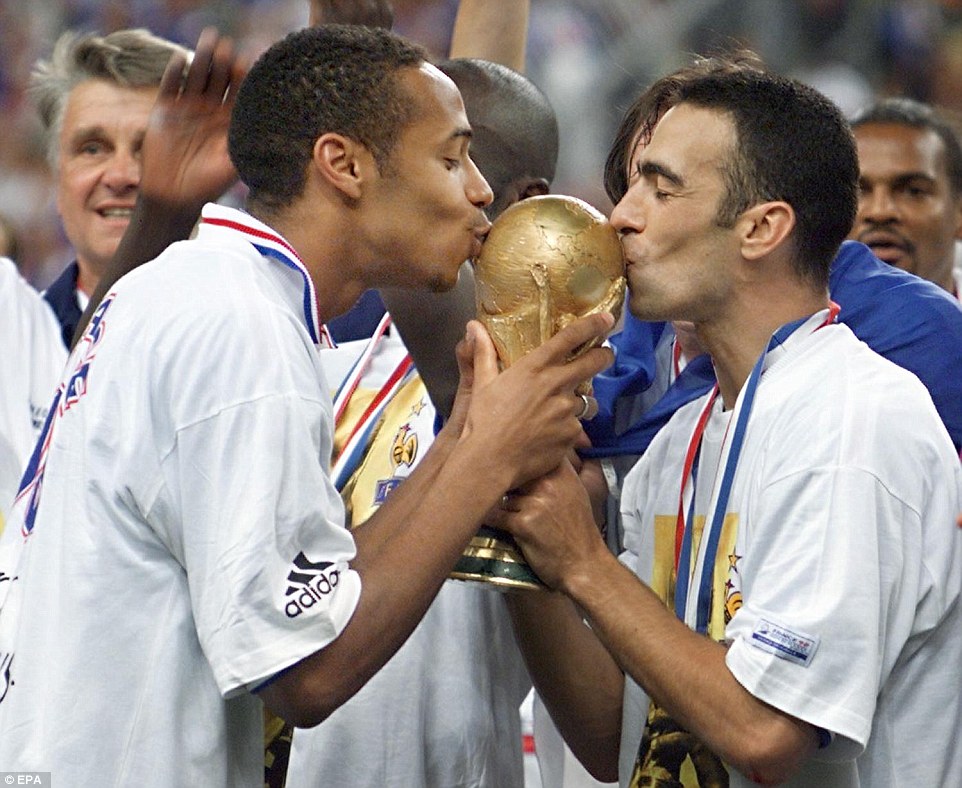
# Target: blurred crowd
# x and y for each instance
(588, 56)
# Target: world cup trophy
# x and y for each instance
(546, 262)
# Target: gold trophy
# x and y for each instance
(546, 262)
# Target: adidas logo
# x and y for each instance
(310, 583)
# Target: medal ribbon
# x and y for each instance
(686, 503)
(676, 366)
(350, 456)
(695, 610)
(346, 390)
(354, 448)
(272, 245)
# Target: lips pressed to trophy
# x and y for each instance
(546, 262)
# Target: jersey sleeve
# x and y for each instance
(263, 543)
(829, 595)
(35, 357)
(247, 505)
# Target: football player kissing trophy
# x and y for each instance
(546, 262)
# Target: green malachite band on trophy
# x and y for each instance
(493, 557)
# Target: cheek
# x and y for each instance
(75, 183)
(947, 221)
(926, 228)
(70, 200)
(407, 234)
(446, 198)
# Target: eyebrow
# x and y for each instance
(650, 168)
(908, 177)
(900, 180)
(85, 132)
(98, 132)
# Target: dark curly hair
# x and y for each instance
(333, 78)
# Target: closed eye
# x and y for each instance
(915, 191)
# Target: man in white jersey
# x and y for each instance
(372, 738)
(798, 615)
(463, 649)
(34, 357)
(460, 669)
(181, 548)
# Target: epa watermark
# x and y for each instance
(24, 778)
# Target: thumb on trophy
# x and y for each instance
(486, 366)
(477, 364)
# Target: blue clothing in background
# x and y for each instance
(909, 320)
(62, 297)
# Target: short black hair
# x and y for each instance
(332, 78)
(900, 111)
(791, 144)
(645, 111)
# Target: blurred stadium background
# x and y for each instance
(589, 56)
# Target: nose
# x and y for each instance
(625, 216)
(122, 171)
(877, 205)
(477, 188)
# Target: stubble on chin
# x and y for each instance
(651, 309)
(639, 307)
(441, 284)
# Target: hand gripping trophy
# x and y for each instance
(547, 261)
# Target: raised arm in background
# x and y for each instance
(495, 30)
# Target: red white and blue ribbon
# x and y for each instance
(348, 386)
(272, 245)
(356, 444)
(693, 605)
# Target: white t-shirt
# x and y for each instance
(33, 356)
(839, 570)
(189, 544)
(443, 712)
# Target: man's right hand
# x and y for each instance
(185, 159)
(527, 417)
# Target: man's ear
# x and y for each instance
(343, 163)
(522, 188)
(533, 187)
(764, 227)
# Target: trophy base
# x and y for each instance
(494, 558)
